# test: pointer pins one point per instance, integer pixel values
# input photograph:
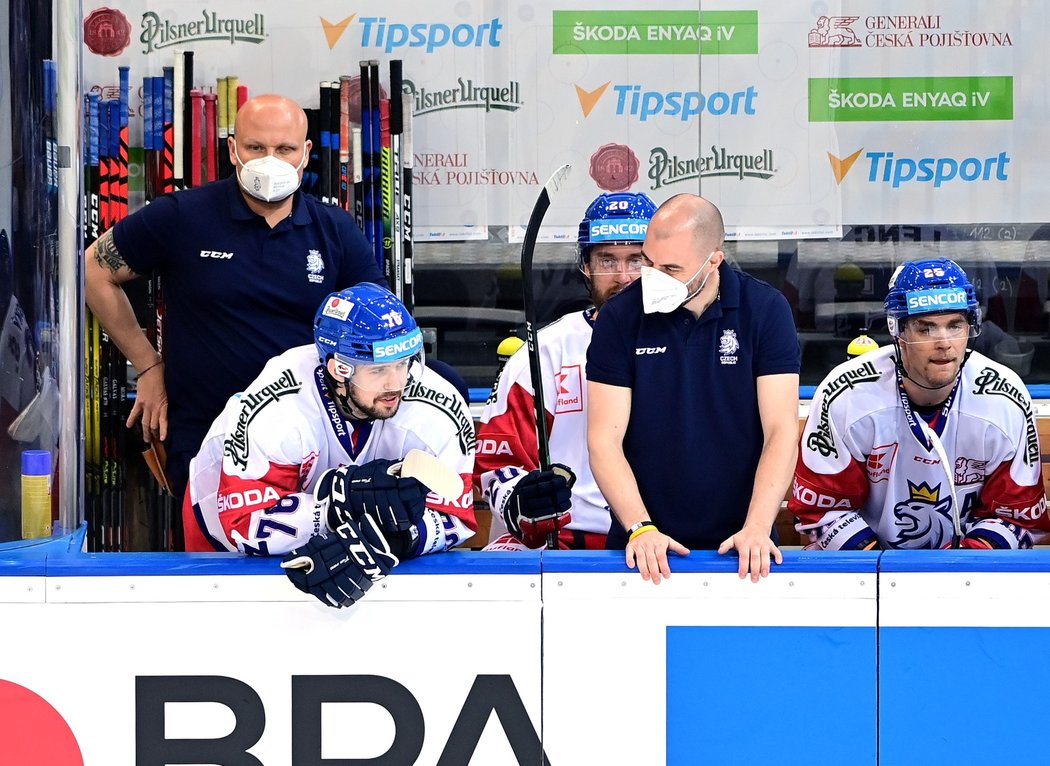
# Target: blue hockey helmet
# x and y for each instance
(933, 286)
(365, 324)
(614, 219)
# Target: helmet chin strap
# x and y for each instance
(341, 399)
(899, 361)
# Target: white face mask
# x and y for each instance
(268, 178)
(662, 293)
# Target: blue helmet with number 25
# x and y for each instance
(365, 324)
(933, 286)
(614, 219)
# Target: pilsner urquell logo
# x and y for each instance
(465, 94)
(160, 33)
(666, 169)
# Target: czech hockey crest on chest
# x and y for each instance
(314, 267)
(728, 345)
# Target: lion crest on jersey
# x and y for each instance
(923, 519)
(728, 345)
(970, 471)
(314, 267)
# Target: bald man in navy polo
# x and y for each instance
(244, 263)
(693, 389)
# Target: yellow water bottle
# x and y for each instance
(36, 493)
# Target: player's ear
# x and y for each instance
(231, 149)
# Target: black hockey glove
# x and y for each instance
(339, 568)
(539, 505)
(354, 491)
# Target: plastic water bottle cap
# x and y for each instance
(36, 462)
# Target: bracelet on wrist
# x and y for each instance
(155, 364)
(640, 529)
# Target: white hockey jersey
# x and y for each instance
(861, 468)
(507, 448)
(251, 485)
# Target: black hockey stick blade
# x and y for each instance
(528, 246)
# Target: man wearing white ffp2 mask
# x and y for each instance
(269, 178)
(692, 401)
(662, 293)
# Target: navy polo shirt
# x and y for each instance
(236, 292)
(694, 435)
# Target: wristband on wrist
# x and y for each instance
(640, 528)
(155, 364)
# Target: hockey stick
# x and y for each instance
(167, 132)
(407, 166)
(366, 160)
(396, 179)
(357, 177)
(376, 184)
(325, 103)
(210, 142)
(178, 127)
(124, 142)
(222, 89)
(344, 142)
(386, 195)
(334, 117)
(187, 119)
(233, 84)
(528, 246)
(439, 477)
(196, 102)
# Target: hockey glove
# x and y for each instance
(372, 489)
(539, 505)
(339, 568)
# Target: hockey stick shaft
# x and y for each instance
(397, 127)
(528, 247)
(407, 166)
(325, 103)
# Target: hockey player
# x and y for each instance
(306, 461)
(921, 443)
(534, 503)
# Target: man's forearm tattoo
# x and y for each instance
(106, 253)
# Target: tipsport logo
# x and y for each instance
(636, 101)
(391, 36)
(887, 168)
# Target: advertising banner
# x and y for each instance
(794, 119)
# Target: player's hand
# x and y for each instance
(648, 552)
(151, 405)
(539, 505)
(755, 548)
(372, 489)
(340, 567)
